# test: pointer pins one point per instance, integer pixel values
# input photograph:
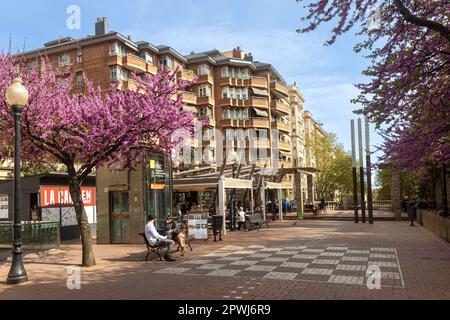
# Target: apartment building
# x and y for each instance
(247, 102)
(312, 127)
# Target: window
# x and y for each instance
(117, 49)
(147, 57)
(166, 62)
(229, 134)
(80, 79)
(203, 70)
(64, 59)
(118, 73)
(225, 72)
(204, 91)
(79, 55)
(233, 93)
(226, 93)
(246, 74)
(244, 94)
(205, 111)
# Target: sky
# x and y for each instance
(325, 74)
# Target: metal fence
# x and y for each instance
(382, 205)
(35, 234)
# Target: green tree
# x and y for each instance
(334, 165)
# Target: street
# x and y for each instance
(313, 260)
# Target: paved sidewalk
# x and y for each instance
(313, 260)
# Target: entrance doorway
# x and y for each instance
(120, 217)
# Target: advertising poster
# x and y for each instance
(3, 206)
(56, 204)
(198, 226)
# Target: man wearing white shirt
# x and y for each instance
(154, 237)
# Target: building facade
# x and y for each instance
(247, 102)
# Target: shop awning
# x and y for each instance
(260, 92)
(261, 113)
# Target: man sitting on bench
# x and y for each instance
(154, 238)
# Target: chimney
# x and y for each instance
(248, 57)
(101, 26)
(238, 53)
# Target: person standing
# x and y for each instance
(242, 219)
(155, 238)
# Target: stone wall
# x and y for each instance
(434, 222)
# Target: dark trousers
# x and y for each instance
(242, 224)
(168, 244)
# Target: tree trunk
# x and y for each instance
(83, 223)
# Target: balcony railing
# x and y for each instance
(187, 75)
(282, 126)
(190, 98)
(206, 100)
(135, 63)
(247, 123)
(258, 82)
(279, 88)
(279, 106)
(284, 146)
(206, 79)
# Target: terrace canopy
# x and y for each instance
(222, 183)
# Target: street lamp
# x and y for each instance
(234, 160)
(17, 98)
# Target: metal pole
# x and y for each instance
(361, 172)
(17, 274)
(444, 189)
(369, 172)
(355, 188)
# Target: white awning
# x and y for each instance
(260, 92)
(261, 113)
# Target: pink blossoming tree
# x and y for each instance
(408, 95)
(83, 132)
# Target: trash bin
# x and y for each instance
(217, 226)
(300, 215)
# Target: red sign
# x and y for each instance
(60, 197)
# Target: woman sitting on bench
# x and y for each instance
(176, 234)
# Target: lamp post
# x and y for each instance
(233, 159)
(17, 98)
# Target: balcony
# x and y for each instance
(187, 75)
(205, 79)
(252, 102)
(282, 126)
(152, 69)
(257, 82)
(258, 143)
(257, 123)
(233, 82)
(189, 98)
(231, 103)
(280, 107)
(284, 146)
(206, 101)
(279, 89)
(257, 102)
(134, 63)
(128, 85)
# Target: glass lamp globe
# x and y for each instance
(17, 94)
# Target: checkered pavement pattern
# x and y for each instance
(340, 265)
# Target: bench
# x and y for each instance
(256, 221)
(152, 249)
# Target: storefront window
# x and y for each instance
(159, 200)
